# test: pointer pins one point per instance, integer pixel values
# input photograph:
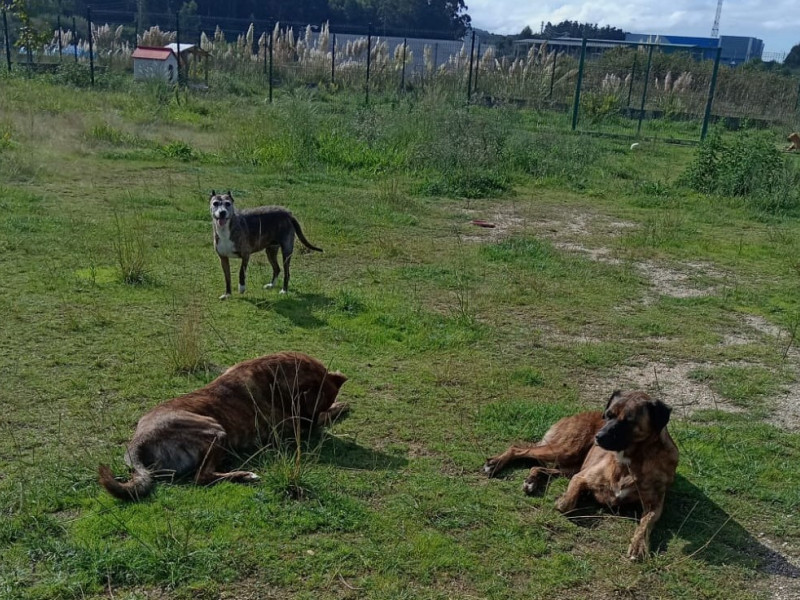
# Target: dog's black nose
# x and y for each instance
(222, 214)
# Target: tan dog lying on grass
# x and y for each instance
(240, 411)
(623, 455)
(794, 138)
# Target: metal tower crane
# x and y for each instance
(715, 28)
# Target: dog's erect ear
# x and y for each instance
(614, 395)
(337, 378)
(230, 195)
(213, 193)
(659, 414)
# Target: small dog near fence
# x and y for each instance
(621, 456)
(241, 234)
(243, 409)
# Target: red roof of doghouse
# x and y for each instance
(152, 53)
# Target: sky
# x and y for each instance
(777, 22)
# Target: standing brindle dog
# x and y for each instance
(623, 455)
(243, 233)
(240, 411)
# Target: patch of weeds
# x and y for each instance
(746, 165)
(662, 230)
(74, 74)
(391, 195)
(185, 345)
(520, 420)
(178, 150)
(467, 184)
(549, 155)
(158, 92)
(600, 106)
(525, 252)
(742, 386)
(6, 135)
(657, 188)
(131, 249)
(528, 376)
(349, 303)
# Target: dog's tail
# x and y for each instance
(300, 235)
(138, 486)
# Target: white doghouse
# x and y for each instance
(150, 62)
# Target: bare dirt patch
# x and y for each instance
(505, 220)
(782, 565)
(681, 282)
(668, 381)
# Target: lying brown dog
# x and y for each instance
(794, 138)
(623, 455)
(241, 410)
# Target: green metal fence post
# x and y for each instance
(266, 33)
(178, 42)
(333, 59)
(7, 41)
(644, 91)
(74, 40)
(711, 89)
(477, 68)
(58, 24)
(270, 67)
(469, 76)
(369, 61)
(577, 102)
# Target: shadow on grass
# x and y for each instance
(297, 307)
(706, 531)
(348, 454)
(712, 535)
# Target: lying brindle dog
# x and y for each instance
(621, 456)
(240, 411)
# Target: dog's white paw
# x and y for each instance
(251, 477)
(269, 286)
(282, 292)
(242, 289)
(224, 296)
(529, 487)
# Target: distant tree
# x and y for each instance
(576, 29)
(792, 59)
(527, 32)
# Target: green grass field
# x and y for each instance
(604, 270)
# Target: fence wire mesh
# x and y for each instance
(630, 89)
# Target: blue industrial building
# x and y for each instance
(735, 49)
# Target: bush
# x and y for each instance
(599, 106)
(72, 73)
(746, 165)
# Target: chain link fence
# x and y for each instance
(618, 88)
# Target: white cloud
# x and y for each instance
(776, 22)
